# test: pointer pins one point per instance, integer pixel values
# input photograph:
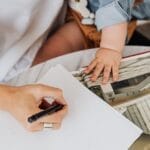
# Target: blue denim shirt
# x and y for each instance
(110, 12)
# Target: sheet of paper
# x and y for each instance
(91, 124)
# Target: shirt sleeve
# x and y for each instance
(117, 11)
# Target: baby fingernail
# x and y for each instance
(115, 79)
(104, 81)
(93, 79)
(86, 70)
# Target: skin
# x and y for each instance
(108, 57)
(105, 65)
(71, 39)
(61, 42)
(22, 102)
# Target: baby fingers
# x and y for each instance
(106, 73)
(91, 67)
(98, 69)
(115, 72)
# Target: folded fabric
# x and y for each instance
(22, 24)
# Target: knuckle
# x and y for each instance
(39, 86)
(90, 66)
(59, 92)
(99, 68)
(115, 78)
(61, 115)
(106, 71)
(58, 119)
(64, 113)
(29, 128)
(116, 63)
(94, 61)
(99, 64)
(57, 126)
(98, 60)
(115, 71)
(57, 89)
(106, 77)
(115, 74)
(95, 74)
(115, 68)
(65, 110)
(55, 118)
(108, 65)
(106, 74)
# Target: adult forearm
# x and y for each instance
(114, 37)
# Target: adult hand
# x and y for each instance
(24, 101)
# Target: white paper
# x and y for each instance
(91, 124)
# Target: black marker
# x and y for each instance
(52, 109)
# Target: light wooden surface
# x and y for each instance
(143, 143)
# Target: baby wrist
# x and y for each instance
(111, 49)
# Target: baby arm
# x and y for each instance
(108, 56)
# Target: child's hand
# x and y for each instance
(107, 61)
